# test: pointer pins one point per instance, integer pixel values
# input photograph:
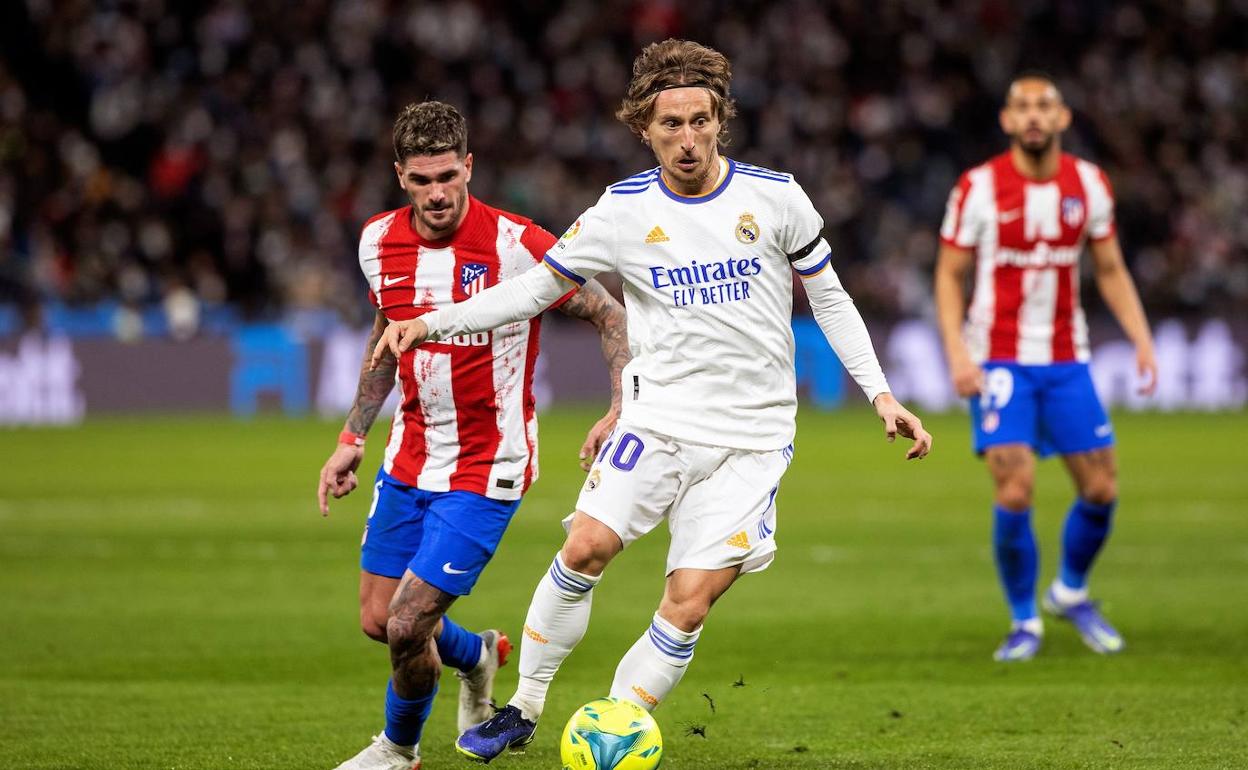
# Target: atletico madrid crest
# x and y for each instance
(473, 277)
(1072, 211)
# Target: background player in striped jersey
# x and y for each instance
(706, 247)
(463, 443)
(1021, 220)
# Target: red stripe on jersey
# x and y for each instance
(409, 461)
(1007, 279)
(1063, 316)
(1071, 186)
(1003, 337)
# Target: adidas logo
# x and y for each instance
(657, 235)
(739, 540)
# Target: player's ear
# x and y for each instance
(398, 173)
(1004, 121)
(1063, 120)
(467, 168)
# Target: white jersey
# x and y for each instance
(709, 296)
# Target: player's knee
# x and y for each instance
(411, 628)
(586, 553)
(1101, 491)
(373, 624)
(687, 614)
(1015, 495)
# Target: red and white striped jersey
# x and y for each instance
(1028, 235)
(466, 419)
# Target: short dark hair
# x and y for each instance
(1032, 74)
(672, 64)
(429, 128)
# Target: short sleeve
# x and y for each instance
(1100, 207)
(802, 239)
(586, 249)
(961, 227)
(802, 224)
(537, 240)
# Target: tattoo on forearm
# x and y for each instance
(594, 304)
(374, 388)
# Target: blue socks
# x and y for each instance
(406, 718)
(458, 647)
(1087, 526)
(1014, 546)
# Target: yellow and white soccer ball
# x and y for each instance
(611, 734)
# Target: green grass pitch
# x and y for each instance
(170, 598)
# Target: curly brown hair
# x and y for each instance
(673, 63)
(429, 128)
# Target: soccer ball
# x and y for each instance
(611, 733)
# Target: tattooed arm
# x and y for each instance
(594, 304)
(338, 473)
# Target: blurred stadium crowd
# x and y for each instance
(226, 152)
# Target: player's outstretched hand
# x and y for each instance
(398, 338)
(338, 475)
(595, 437)
(899, 420)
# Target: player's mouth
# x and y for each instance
(688, 165)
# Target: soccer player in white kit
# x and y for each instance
(704, 246)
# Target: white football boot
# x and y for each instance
(384, 754)
(476, 687)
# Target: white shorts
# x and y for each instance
(720, 503)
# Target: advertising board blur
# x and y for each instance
(260, 368)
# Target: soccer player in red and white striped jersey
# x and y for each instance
(463, 443)
(1020, 222)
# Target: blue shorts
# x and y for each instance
(1052, 408)
(444, 538)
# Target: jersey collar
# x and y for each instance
(707, 196)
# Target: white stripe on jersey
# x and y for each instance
(435, 272)
(370, 251)
(511, 349)
(984, 300)
(437, 404)
(1035, 316)
(1040, 212)
(1100, 202)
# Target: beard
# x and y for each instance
(1035, 148)
(447, 225)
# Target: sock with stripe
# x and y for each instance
(556, 622)
(1086, 529)
(458, 647)
(1014, 546)
(405, 718)
(654, 664)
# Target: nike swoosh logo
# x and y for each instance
(393, 281)
(1006, 217)
(448, 569)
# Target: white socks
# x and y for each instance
(556, 622)
(1067, 596)
(1031, 625)
(655, 663)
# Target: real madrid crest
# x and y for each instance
(595, 478)
(747, 229)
